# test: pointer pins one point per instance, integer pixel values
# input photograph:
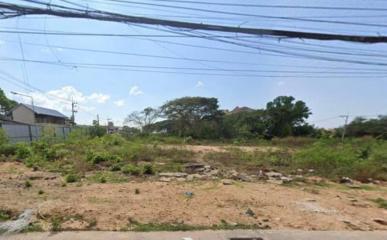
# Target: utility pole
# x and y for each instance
(345, 126)
(73, 111)
(97, 119)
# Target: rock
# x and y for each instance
(190, 177)
(286, 179)
(262, 175)
(227, 182)
(194, 167)
(242, 177)
(381, 221)
(173, 174)
(250, 212)
(180, 179)
(311, 170)
(164, 179)
(346, 180)
(274, 175)
(214, 172)
(300, 170)
(19, 224)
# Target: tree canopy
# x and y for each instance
(5, 103)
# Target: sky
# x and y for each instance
(58, 68)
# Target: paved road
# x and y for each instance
(205, 235)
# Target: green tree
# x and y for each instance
(5, 103)
(284, 115)
(190, 114)
(359, 127)
(246, 124)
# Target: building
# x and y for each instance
(25, 113)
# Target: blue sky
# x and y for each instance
(113, 93)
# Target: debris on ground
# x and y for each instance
(381, 221)
(314, 207)
(250, 213)
(19, 224)
(346, 180)
(227, 182)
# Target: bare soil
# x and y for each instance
(105, 206)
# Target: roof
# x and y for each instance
(44, 111)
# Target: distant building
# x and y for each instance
(25, 113)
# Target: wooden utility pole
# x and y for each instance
(73, 111)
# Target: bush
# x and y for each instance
(8, 149)
(23, 151)
(148, 169)
(70, 178)
(131, 169)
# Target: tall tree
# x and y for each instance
(189, 113)
(143, 118)
(5, 103)
(285, 114)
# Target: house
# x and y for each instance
(25, 113)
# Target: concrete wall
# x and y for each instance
(23, 114)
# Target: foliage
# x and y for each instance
(187, 113)
(5, 215)
(71, 178)
(3, 137)
(8, 149)
(361, 127)
(144, 118)
(382, 203)
(131, 169)
(284, 115)
(5, 103)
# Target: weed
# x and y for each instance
(27, 184)
(382, 203)
(71, 178)
(131, 169)
(5, 215)
(102, 180)
(136, 191)
(33, 227)
(56, 224)
(148, 169)
(40, 192)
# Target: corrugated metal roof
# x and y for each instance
(45, 111)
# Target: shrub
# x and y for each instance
(8, 149)
(27, 184)
(131, 169)
(115, 167)
(23, 151)
(70, 178)
(148, 169)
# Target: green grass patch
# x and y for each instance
(382, 203)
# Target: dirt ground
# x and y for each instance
(105, 206)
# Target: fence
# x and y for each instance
(18, 132)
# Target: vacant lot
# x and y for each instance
(113, 184)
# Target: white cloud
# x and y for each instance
(99, 97)
(60, 100)
(199, 84)
(119, 103)
(280, 83)
(2, 42)
(135, 91)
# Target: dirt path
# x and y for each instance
(116, 206)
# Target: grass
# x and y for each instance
(158, 227)
(5, 215)
(359, 159)
(382, 203)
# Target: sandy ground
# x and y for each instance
(116, 206)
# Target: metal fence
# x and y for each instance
(18, 132)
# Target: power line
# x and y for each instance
(147, 68)
(206, 3)
(114, 17)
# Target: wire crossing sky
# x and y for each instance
(115, 68)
